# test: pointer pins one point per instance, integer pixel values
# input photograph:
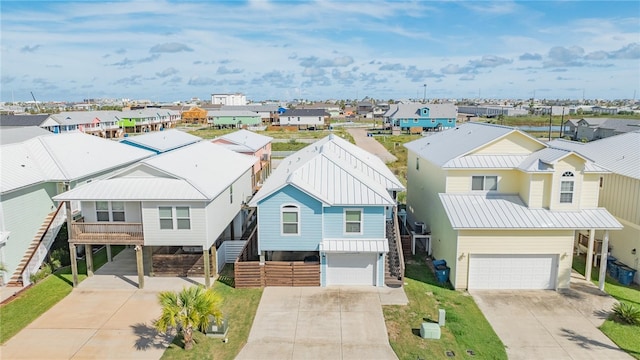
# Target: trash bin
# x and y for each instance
(437, 263)
(625, 275)
(613, 268)
(442, 273)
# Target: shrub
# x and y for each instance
(627, 313)
(60, 257)
(45, 270)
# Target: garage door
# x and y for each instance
(509, 271)
(351, 269)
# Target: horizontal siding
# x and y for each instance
(509, 181)
(513, 144)
(153, 235)
(269, 222)
(590, 191)
(574, 164)
(221, 212)
(515, 242)
(622, 242)
(619, 195)
(373, 224)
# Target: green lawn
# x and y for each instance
(39, 298)
(627, 337)
(466, 327)
(210, 133)
(240, 306)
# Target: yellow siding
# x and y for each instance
(459, 181)
(590, 191)
(574, 164)
(512, 144)
(539, 186)
(622, 242)
(559, 242)
(619, 195)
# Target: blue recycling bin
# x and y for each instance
(442, 273)
(613, 268)
(625, 275)
(439, 262)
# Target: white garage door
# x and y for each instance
(510, 271)
(351, 269)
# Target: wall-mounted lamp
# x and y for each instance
(633, 251)
(461, 257)
(564, 256)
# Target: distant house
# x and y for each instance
(146, 120)
(331, 203)
(172, 207)
(588, 129)
(233, 118)
(194, 115)
(268, 113)
(236, 99)
(250, 143)
(35, 170)
(305, 118)
(424, 116)
(502, 207)
(7, 121)
(619, 190)
(161, 141)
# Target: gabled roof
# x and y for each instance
(254, 108)
(62, 157)
(11, 135)
(447, 145)
(544, 160)
(22, 120)
(411, 110)
(240, 113)
(500, 211)
(618, 125)
(80, 117)
(247, 139)
(162, 141)
(305, 112)
(200, 171)
(335, 172)
(619, 153)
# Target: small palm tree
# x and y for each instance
(187, 310)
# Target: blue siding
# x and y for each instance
(373, 222)
(269, 224)
(427, 123)
(139, 146)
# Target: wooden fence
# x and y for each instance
(177, 263)
(276, 273)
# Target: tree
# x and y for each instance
(187, 310)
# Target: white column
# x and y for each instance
(603, 260)
(587, 270)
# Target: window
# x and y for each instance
(353, 221)
(566, 188)
(484, 183)
(415, 121)
(182, 218)
(166, 218)
(290, 219)
(117, 211)
(102, 210)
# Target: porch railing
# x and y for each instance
(106, 233)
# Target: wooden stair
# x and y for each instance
(16, 278)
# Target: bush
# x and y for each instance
(45, 270)
(627, 313)
(60, 257)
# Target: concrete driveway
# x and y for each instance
(106, 317)
(321, 323)
(544, 324)
(371, 145)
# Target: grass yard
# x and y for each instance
(210, 133)
(40, 297)
(240, 306)
(466, 327)
(627, 337)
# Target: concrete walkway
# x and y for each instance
(370, 144)
(544, 324)
(321, 323)
(107, 316)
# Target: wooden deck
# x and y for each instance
(103, 233)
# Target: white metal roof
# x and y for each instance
(335, 172)
(227, 112)
(11, 135)
(163, 141)
(486, 162)
(620, 153)
(499, 211)
(62, 157)
(200, 171)
(544, 160)
(355, 245)
(249, 139)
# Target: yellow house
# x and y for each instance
(502, 207)
(619, 190)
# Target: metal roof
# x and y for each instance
(10, 135)
(486, 162)
(200, 171)
(336, 172)
(254, 108)
(355, 245)
(162, 141)
(618, 125)
(22, 120)
(249, 139)
(411, 110)
(620, 153)
(62, 157)
(305, 112)
(500, 211)
(228, 113)
(544, 160)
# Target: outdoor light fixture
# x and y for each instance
(633, 251)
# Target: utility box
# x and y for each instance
(441, 317)
(430, 330)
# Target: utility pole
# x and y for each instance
(550, 114)
(562, 122)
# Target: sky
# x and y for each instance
(168, 51)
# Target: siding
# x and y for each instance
(269, 222)
(590, 191)
(459, 181)
(539, 195)
(619, 195)
(132, 211)
(153, 235)
(558, 242)
(513, 144)
(373, 224)
(574, 164)
(622, 242)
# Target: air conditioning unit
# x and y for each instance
(419, 227)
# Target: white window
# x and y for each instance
(102, 210)
(484, 183)
(110, 211)
(353, 221)
(290, 220)
(174, 218)
(566, 188)
(182, 218)
(117, 211)
(166, 217)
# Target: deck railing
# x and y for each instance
(106, 233)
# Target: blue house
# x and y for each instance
(425, 116)
(330, 202)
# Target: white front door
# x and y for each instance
(351, 269)
(513, 271)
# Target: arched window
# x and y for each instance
(566, 188)
(290, 218)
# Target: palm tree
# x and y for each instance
(187, 310)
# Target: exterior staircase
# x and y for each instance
(394, 265)
(35, 254)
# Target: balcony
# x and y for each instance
(103, 233)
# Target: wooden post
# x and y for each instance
(603, 261)
(109, 257)
(589, 265)
(140, 266)
(88, 255)
(74, 264)
(207, 267)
